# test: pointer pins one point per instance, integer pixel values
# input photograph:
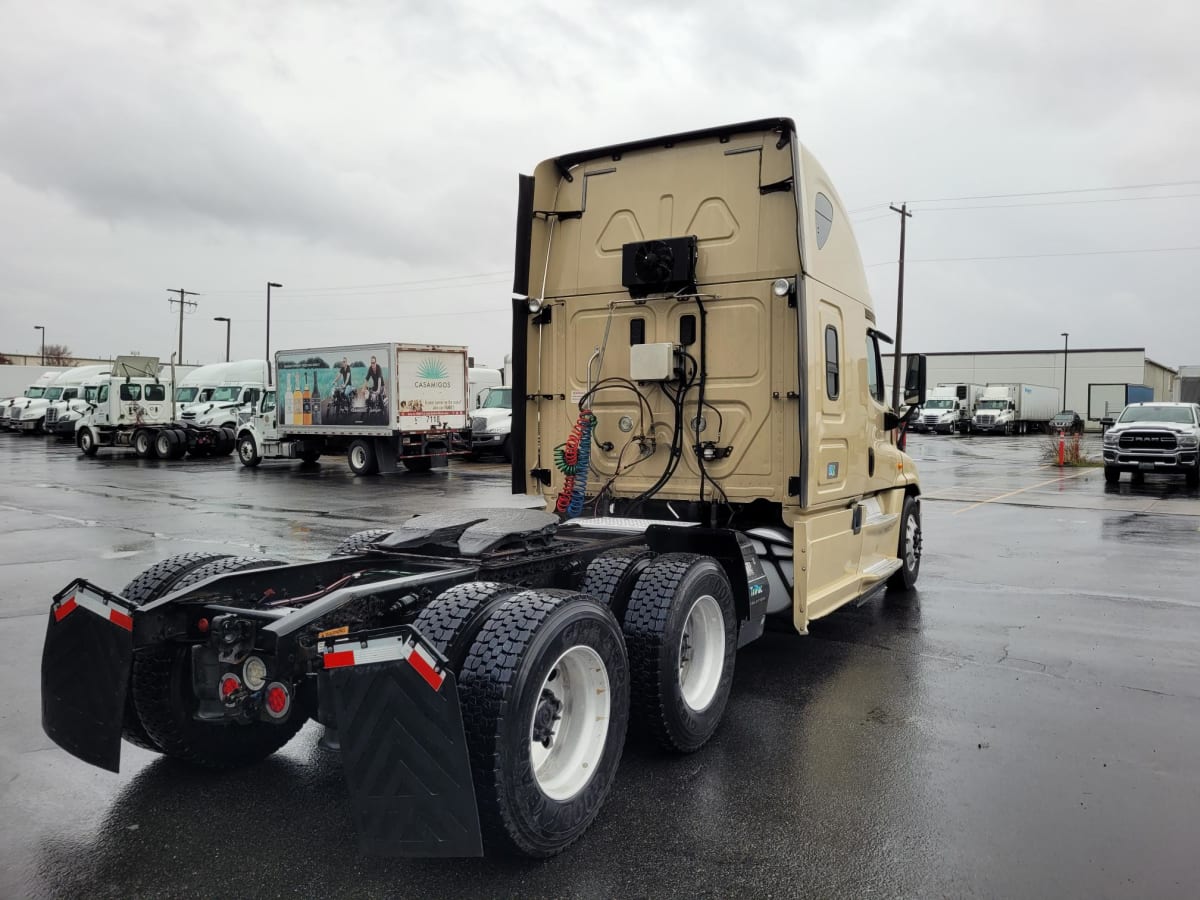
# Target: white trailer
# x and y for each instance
(382, 405)
(1015, 408)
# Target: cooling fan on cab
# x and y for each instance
(661, 266)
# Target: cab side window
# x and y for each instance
(131, 391)
(833, 385)
(155, 392)
(268, 404)
(874, 369)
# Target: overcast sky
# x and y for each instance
(365, 155)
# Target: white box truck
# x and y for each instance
(1015, 408)
(948, 408)
(380, 404)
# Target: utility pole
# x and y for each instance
(226, 320)
(270, 284)
(1066, 336)
(183, 302)
(905, 215)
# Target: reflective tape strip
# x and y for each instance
(385, 650)
(82, 598)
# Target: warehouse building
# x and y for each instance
(1098, 381)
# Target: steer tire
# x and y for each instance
(611, 576)
(1193, 477)
(504, 683)
(672, 589)
(247, 451)
(456, 616)
(905, 578)
(153, 583)
(1112, 474)
(87, 442)
(360, 541)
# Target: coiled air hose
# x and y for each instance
(572, 458)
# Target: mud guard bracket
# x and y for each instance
(86, 661)
(404, 749)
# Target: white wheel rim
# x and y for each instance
(570, 723)
(912, 553)
(702, 653)
(358, 457)
(247, 450)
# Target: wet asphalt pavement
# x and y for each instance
(1026, 724)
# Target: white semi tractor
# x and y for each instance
(38, 414)
(383, 405)
(10, 410)
(213, 396)
(132, 408)
(1010, 408)
(948, 408)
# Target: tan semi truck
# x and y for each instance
(698, 398)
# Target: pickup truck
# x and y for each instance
(1154, 437)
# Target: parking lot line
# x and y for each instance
(1060, 478)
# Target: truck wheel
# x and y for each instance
(418, 463)
(1193, 477)
(143, 444)
(227, 441)
(681, 631)
(611, 576)
(165, 702)
(310, 456)
(506, 449)
(545, 699)
(360, 541)
(247, 452)
(164, 443)
(153, 583)
(180, 448)
(1112, 474)
(87, 442)
(909, 551)
(455, 617)
(361, 457)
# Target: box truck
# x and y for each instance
(1007, 408)
(481, 666)
(383, 405)
(948, 408)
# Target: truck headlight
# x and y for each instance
(1110, 439)
(1189, 441)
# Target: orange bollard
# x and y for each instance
(1062, 449)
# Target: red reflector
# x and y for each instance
(229, 684)
(339, 659)
(277, 699)
(119, 618)
(425, 670)
(202, 626)
(64, 609)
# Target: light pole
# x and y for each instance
(270, 284)
(42, 329)
(1066, 336)
(224, 319)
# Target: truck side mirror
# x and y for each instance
(914, 380)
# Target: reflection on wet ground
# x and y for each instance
(1024, 724)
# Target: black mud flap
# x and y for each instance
(85, 673)
(403, 746)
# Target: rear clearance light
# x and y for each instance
(278, 700)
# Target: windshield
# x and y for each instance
(34, 392)
(498, 398)
(52, 394)
(993, 404)
(226, 394)
(186, 394)
(939, 404)
(1181, 415)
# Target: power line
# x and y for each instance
(422, 315)
(1121, 187)
(1041, 255)
(386, 284)
(1058, 203)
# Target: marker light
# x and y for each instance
(781, 287)
(535, 305)
(228, 685)
(278, 700)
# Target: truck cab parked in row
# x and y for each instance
(221, 391)
(10, 413)
(491, 423)
(698, 399)
(1005, 408)
(947, 409)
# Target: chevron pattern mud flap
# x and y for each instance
(85, 673)
(403, 747)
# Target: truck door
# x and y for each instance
(103, 413)
(265, 420)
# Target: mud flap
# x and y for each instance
(403, 746)
(85, 673)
